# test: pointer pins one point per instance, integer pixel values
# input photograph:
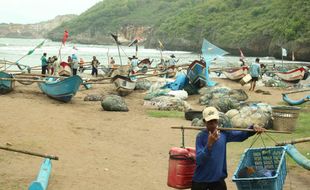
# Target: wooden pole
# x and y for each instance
(30, 153)
(25, 80)
(292, 92)
(295, 141)
(233, 129)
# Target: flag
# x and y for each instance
(161, 46)
(38, 46)
(284, 52)
(115, 37)
(133, 42)
(65, 37)
(241, 55)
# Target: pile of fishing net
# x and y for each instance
(223, 98)
(168, 103)
(254, 114)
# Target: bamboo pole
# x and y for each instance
(297, 91)
(25, 80)
(295, 141)
(233, 129)
(30, 153)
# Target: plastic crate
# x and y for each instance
(271, 158)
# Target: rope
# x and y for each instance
(271, 138)
(254, 140)
(262, 140)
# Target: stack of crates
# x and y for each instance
(271, 158)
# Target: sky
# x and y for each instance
(34, 11)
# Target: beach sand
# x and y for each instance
(100, 149)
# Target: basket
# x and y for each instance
(285, 117)
(271, 158)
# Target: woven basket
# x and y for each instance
(285, 117)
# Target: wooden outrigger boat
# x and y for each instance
(196, 74)
(124, 85)
(64, 69)
(236, 73)
(6, 86)
(293, 76)
(61, 90)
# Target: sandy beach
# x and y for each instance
(100, 149)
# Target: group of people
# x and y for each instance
(50, 65)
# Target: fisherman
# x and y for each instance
(172, 60)
(211, 166)
(81, 65)
(44, 63)
(75, 64)
(94, 63)
(134, 64)
(255, 73)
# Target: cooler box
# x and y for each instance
(247, 78)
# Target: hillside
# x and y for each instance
(259, 28)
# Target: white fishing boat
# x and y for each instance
(124, 85)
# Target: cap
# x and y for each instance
(210, 113)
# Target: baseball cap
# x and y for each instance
(210, 113)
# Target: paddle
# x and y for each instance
(233, 129)
(30, 153)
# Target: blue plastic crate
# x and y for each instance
(270, 158)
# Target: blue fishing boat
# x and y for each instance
(6, 86)
(295, 102)
(61, 89)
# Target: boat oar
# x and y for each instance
(295, 141)
(297, 91)
(30, 153)
(233, 129)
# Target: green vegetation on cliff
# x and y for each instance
(259, 27)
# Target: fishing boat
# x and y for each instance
(293, 76)
(295, 102)
(64, 69)
(196, 76)
(124, 85)
(144, 65)
(236, 73)
(6, 86)
(61, 89)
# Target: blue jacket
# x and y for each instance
(211, 164)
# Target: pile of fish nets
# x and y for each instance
(224, 121)
(248, 115)
(223, 98)
(168, 103)
(143, 84)
(275, 83)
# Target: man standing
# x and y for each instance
(211, 167)
(255, 73)
(134, 64)
(94, 63)
(44, 63)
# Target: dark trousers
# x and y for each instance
(219, 185)
(44, 68)
(94, 71)
(74, 71)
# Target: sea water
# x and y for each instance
(13, 49)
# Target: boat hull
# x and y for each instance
(236, 73)
(124, 85)
(62, 90)
(293, 76)
(6, 86)
(64, 69)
